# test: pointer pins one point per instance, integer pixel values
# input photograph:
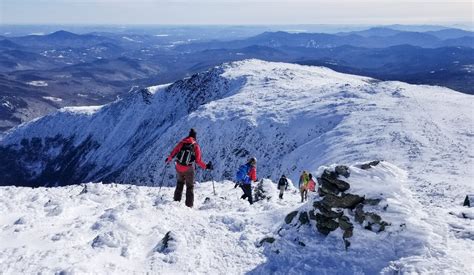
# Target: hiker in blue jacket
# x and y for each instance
(244, 177)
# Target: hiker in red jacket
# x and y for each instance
(187, 152)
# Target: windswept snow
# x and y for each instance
(291, 118)
(117, 229)
(38, 83)
(53, 99)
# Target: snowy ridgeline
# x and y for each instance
(118, 229)
(290, 117)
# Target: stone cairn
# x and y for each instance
(338, 208)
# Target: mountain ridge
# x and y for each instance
(246, 108)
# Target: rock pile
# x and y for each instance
(338, 208)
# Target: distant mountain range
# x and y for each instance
(95, 68)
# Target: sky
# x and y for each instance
(232, 12)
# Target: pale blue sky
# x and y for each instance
(235, 12)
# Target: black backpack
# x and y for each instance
(186, 155)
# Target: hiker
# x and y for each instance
(244, 177)
(282, 185)
(187, 152)
(303, 185)
(311, 183)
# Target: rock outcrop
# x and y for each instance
(336, 208)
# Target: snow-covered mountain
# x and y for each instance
(291, 118)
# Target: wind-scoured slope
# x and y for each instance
(290, 117)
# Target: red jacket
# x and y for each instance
(197, 152)
(253, 173)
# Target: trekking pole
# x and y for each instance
(212, 179)
(162, 178)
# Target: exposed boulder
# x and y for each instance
(167, 244)
(303, 218)
(342, 170)
(325, 225)
(266, 240)
(345, 201)
(469, 200)
(372, 221)
(369, 165)
(326, 187)
(371, 201)
(344, 223)
(326, 211)
(330, 184)
(359, 214)
(289, 218)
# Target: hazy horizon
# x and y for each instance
(231, 12)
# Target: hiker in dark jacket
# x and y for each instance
(187, 152)
(282, 185)
(245, 175)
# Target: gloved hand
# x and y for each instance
(209, 166)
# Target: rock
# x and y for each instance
(344, 223)
(348, 233)
(345, 201)
(369, 165)
(84, 190)
(21, 220)
(289, 218)
(326, 187)
(373, 218)
(301, 243)
(342, 170)
(329, 175)
(342, 185)
(303, 218)
(330, 178)
(266, 240)
(371, 201)
(326, 211)
(312, 215)
(347, 244)
(164, 245)
(325, 225)
(359, 214)
(469, 200)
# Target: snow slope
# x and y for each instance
(290, 117)
(116, 229)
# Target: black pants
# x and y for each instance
(185, 178)
(247, 188)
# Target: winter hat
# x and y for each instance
(192, 133)
(253, 160)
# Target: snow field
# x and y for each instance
(115, 229)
